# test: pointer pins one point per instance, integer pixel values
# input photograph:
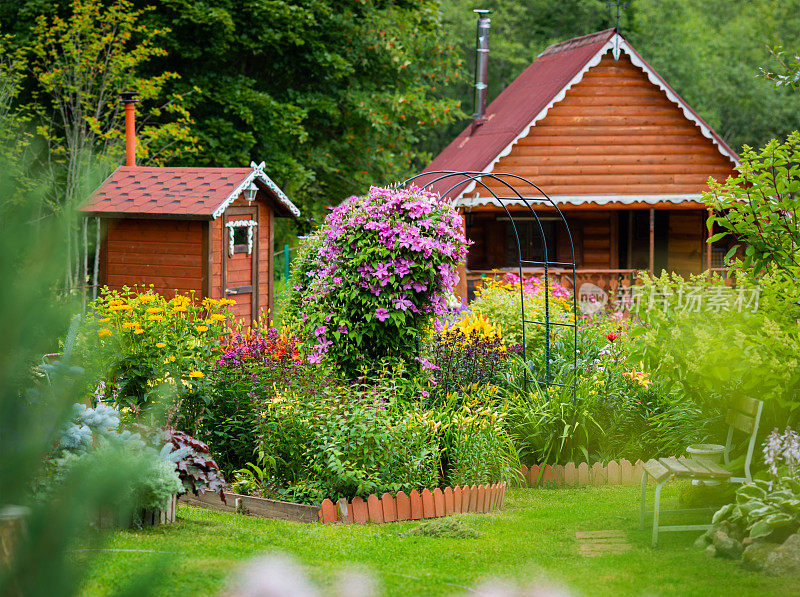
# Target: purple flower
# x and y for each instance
(402, 303)
(319, 331)
(381, 314)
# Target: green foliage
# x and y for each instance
(479, 450)
(711, 356)
(150, 348)
(619, 409)
(759, 207)
(770, 508)
(332, 95)
(345, 441)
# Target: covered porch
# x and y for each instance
(611, 242)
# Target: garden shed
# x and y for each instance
(615, 147)
(202, 230)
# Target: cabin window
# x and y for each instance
(240, 236)
(531, 247)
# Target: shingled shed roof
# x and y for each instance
(528, 99)
(186, 193)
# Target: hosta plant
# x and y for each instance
(770, 509)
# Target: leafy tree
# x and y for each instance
(78, 64)
(760, 208)
(332, 95)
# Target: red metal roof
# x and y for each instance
(519, 104)
(157, 192)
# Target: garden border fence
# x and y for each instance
(414, 506)
(582, 475)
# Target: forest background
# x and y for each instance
(337, 95)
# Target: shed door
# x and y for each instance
(240, 261)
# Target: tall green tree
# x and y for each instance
(75, 66)
(332, 95)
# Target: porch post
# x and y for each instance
(652, 265)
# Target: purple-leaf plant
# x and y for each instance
(368, 280)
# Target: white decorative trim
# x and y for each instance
(616, 41)
(579, 200)
(257, 174)
(240, 224)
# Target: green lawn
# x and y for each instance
(533, 538)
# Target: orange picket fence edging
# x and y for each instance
(581, 475)
(414, 506)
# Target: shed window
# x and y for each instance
(240, 239)
(240, 236)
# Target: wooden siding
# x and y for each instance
(615, 133)
(165, 253)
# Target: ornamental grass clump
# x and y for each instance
(368, 280)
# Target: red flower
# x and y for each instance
(612, 336)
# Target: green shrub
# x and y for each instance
(345, 441)
(151, 348)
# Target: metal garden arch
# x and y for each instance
(462, 177)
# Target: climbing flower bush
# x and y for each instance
(144, 342)
(369, 279)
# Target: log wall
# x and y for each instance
(165, 253)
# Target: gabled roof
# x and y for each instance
(528, 99)
(188, 193)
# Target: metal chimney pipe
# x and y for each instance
(481, 62)
(128, 98)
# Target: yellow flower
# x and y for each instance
(179, 309)
(160, 345)
(138, 331)
(122, 307)
(104, 320)
(201, 328)
(197, 374)
(155, 317)
(169, 359)
(218, 317)
(104, 332)
(155, 310)
(146, 298)
(130, 324)
(209, 302)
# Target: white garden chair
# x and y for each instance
(744, 415)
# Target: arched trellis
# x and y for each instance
(465, 177)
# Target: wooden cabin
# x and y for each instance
(620, 153)
(202, 230)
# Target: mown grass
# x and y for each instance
(531, 540)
